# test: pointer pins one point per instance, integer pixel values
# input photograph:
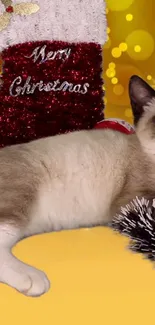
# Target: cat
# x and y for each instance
(80, 179)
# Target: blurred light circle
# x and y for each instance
(123, 47)
(114, 81)
(119, 5)
(118, 90)
(128, 112)
(112, 65)
(110, 73)
(149, 77)
(116, 52)
(129, 17)
(140, 45)
(137, 48)
(105, 100)
(108, 30)
(124, 73)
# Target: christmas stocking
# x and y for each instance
(51, 78)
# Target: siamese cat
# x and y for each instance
(80, 179)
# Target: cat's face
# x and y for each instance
(142, 98)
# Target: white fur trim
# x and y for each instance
(65, 20)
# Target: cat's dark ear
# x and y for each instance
(140, 94)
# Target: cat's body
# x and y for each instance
(68, 181)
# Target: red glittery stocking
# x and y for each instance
(49, 87)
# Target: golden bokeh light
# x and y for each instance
(149, 77)
(118, 90)
(128, 112)
(129, 17)
(110, 73)
(116, 52)
(140, 45)
(130, 51)
(105, 100)
(123, 47)
(119, 5)
(112, 65)
(137, 48)
(114, 81)
(120, 102)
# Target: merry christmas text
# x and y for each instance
(18, 87)
(42, 55)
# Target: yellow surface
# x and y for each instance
(95, 280)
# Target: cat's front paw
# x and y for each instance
(24, 278)
(33, 283)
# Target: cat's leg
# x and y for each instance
(13, 272)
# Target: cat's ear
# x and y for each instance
(140, 94)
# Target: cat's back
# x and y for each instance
(84, 171)
(72, 177)
(82, 150)
(80, 141)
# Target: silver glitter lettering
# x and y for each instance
(77, 88)
(50, 56)
(41, 85)
(27, 87)
(48, 87)
(39, 53)
(34, 87)
(56, 85)
(56, 82)
(66, 86)
(16, 81)
(85, 89)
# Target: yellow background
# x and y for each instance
(131, 22)
(95, 280)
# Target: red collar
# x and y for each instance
(115, 124)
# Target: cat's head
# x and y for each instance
(142, 98)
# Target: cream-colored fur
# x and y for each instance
(69, 181)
